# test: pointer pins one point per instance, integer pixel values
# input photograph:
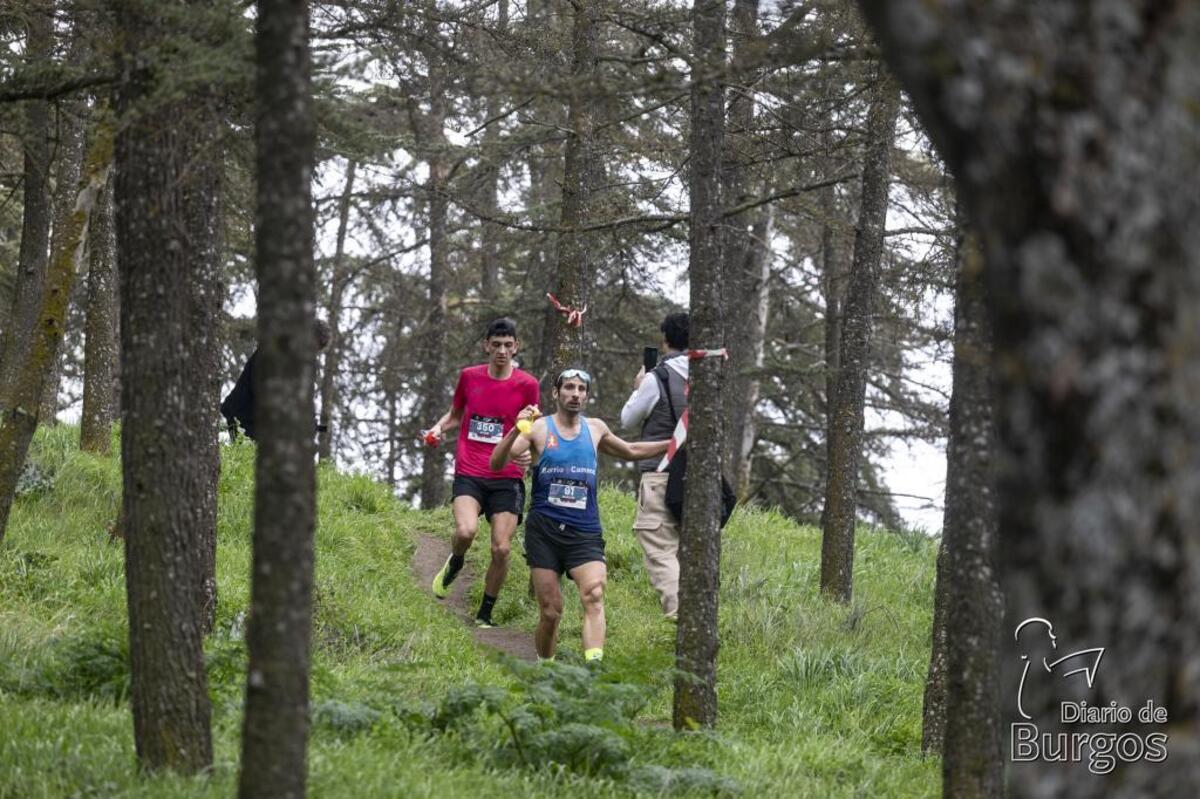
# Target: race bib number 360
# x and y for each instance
(485, 429)
(569, 494)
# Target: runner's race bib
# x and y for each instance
(485, 429)
(571, 494)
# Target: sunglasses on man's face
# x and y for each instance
(579, 373)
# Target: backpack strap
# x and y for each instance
(665, 386)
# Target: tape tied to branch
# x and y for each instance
(574, 316)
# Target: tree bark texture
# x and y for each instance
(35, 225)
(933, 706)
(489, 255)
(20, 421)
(832, 290)
(744, 425)
(275, 732)
(564, 341)
(101, 342)
(207, 289)
(167, 217)
(1078, 160)
(333, 315)
(67, 169)
(846, 428)
(433, 353)
(744, 254)
(696, 640)
(972, 756)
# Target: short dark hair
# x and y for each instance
(501, 327)
(675, 330)
(323, 332)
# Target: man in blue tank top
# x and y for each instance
(562, 529)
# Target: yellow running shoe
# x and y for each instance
(441, 588)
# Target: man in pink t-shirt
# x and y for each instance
(487, 399)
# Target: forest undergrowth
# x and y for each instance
(816, 699)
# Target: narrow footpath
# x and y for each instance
(427, 560)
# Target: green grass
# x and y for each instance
(816, 699)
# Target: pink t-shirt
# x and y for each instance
(489, 411)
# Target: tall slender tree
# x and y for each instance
(563, 338)
(1092, 256)
(101, 341)
(431, 129)
(743, 252)
(489, 255)
(67, 167)
(962, 700)
(19, 423)
(696, 641)
(847, 410)
(35, 226)
(275, 731)
(167, 243)
(338, 280)
(972, 755)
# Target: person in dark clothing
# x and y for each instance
(238, 406)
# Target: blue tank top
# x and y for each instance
(564, 482)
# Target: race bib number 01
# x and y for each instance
(569, 494)
(486, 429)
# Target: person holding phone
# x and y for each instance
(486, 402)
(658, 399)
(563, 532)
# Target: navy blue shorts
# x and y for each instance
(560, 547)
(498, 495)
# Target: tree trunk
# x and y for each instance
(832, 279)
(972, 755)
(696, 641)
(393, 455)
(101, 334)
(67, 169)
(333, 314)
(845, 442)
(166, 200)
(933, 708)
(275, 731)
(1079, 177)
(564, 340)
(744, 425)
(742, 252)
(35, 226)
(21, 420)
(433, 353)
(489, 256)
(962, 702)
(205, 285)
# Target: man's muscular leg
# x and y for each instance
(550, 606)
(503, 527)
(591, 578)
(466, 523)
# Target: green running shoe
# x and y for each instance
(440, 587)
(484, 623)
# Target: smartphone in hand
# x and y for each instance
(650, 358)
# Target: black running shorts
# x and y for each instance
(550, 545)
(498, 495)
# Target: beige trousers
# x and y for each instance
(658, 533)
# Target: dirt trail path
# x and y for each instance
(427, 560)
